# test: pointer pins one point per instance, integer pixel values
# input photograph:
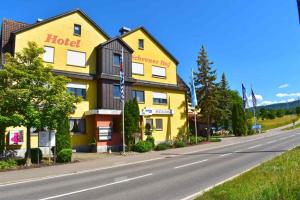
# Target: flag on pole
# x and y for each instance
(253, 99)
(245, 98)
(122, 81)
(193, 92)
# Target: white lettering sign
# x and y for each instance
(150, 111)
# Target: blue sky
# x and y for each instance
(255, 42)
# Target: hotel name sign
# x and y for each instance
(152, 61)
(54, 39)
(151, 111)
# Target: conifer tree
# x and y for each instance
(224, 102)
(206, 88)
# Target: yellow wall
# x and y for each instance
(63, 28)
(172, 124)
(151, 51)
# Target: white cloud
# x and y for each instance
(257, 96)
(264, 103)
(283, 86)
(291, 99)
(297, 94)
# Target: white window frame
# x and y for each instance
(73, 58)
(136, 65)
(159, 72)
(47, 57)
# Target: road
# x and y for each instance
(179, 176)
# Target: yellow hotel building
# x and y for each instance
(78, 48)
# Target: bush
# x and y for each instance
(193, 139)
(179, 143)
(162, 146)
(62, 136)
(151, 140)
(65, 155)
(36, 155)
(8, 164)
(215, 139)
(142, 146)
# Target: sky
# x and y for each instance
(253, 42)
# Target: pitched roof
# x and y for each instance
(154, 39)
(9, 26)
(60, 16)
(120, 40)
(181, 83)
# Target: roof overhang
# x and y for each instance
(103, 112)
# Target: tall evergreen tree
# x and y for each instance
(206, 88)
(239, 121)
(224, 102)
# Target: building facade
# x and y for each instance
(79, 49)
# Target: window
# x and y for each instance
(158, 124)
(77, 126)
(77, 29)
(138, 68)
(141, 44)
(158, 71)
(105, 133)
(79, 90)
(139, 95)
(49, 54)
(116, 91)
(159, 98)
(116, 60)
(149, 124)
(76, 58)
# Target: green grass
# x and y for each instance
(277, 122)
(292, 127)
(277, 179)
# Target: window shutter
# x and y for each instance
(138, 68)
(49, 54)
(158, 71)
(76, 58)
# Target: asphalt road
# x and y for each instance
(178, 176)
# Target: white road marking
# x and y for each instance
(193, 163)
(97, 187)
(226, 154)
(254, 146)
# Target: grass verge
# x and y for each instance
(277, 122)
(276, 179)
(291, 127)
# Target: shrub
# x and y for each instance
(179, 143)
(36, 155)
(151, 140)
(65, 155)
(142, 146)
(8, 164)
(215, 139)
(193, 139)
(162, 146)
(62, 136)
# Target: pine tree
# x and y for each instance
(206, 89)
(224, 102)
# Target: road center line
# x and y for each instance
(193, 163)
(96, 187)
(254, 146)
(226, 154)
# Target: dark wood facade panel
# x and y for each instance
(106, 99)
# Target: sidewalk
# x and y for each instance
(116, 160)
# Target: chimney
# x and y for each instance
(124, 30)
(39, 20)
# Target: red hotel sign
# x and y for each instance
(151, 61)
(66, 42)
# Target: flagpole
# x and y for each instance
(195, 125)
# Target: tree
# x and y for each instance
(131, 124)
(298, 110)
(224, 102)
(62, 139)
(206, 89)
(34, 92)
(239, 122)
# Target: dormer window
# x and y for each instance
(141, 44)
(116, 60)
(77, 29)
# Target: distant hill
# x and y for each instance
(277, 106)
